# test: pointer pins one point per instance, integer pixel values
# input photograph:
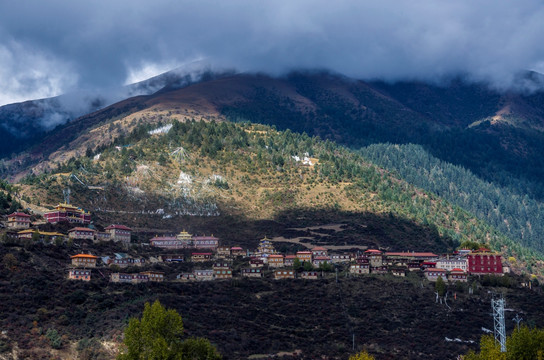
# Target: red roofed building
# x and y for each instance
(457, 275)
(69, 213)
(237, 251)
(18, 220)
(484, 262)
(318, 260)
(275, 260)
(432, 274)
(119, 233)
(304, 256)
(81, 233)
(319, 251)
(289, 260)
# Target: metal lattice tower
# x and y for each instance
(66, 193)
(499, 329)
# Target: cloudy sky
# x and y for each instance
(56, 46)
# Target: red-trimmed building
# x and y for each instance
(167, 242)
(79, 274)
(84, 260)
(237, 251)
(484, 262)
(81, 233)
(280, 274)
(275, 260)
(375, 257)
(359, 269)
(69, 213)
(252, 272)
(119, 233)
(432, 274)
(206, 242)
(309, 275)
(289, 260)
(18, 220)
(457, 275)
(134, 278)
(304, 256)
(319, 251)
(201, 257)
(155, 276)
(222, 270)
(203, 274)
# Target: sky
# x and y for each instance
(57, 46)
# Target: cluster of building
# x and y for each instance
(82, 265)
(452, 267)
(19, 226)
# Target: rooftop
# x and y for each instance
(120, 227)
(88, 256)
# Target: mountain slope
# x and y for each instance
(497, 136)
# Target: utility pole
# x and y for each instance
(353, 341)
(517, 319)
(499, 329)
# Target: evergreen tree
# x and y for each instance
(158, 336)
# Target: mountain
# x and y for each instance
(25, 124)
(496, 135)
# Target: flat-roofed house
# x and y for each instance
(79, 274)
(304, 256)
(203, 274)
(155, 276)
(81, 233)
(275, 260)
(310, 275)
(222, 270)
(280, 274)
(201, 257)
(252, 272)
(432, 274)
(18, 220)
(206, 242)
(359, 269)
(119, 233)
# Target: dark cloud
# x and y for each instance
(49, 47)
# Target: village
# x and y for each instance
(213, 261)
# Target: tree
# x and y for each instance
(525, 343)
(363, 355)
(308, 266)
(440, 286)
(9, 261)
(158, 336)
(297, 264)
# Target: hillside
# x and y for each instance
(246, 317)
(211, 173)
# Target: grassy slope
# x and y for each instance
(260, 180)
